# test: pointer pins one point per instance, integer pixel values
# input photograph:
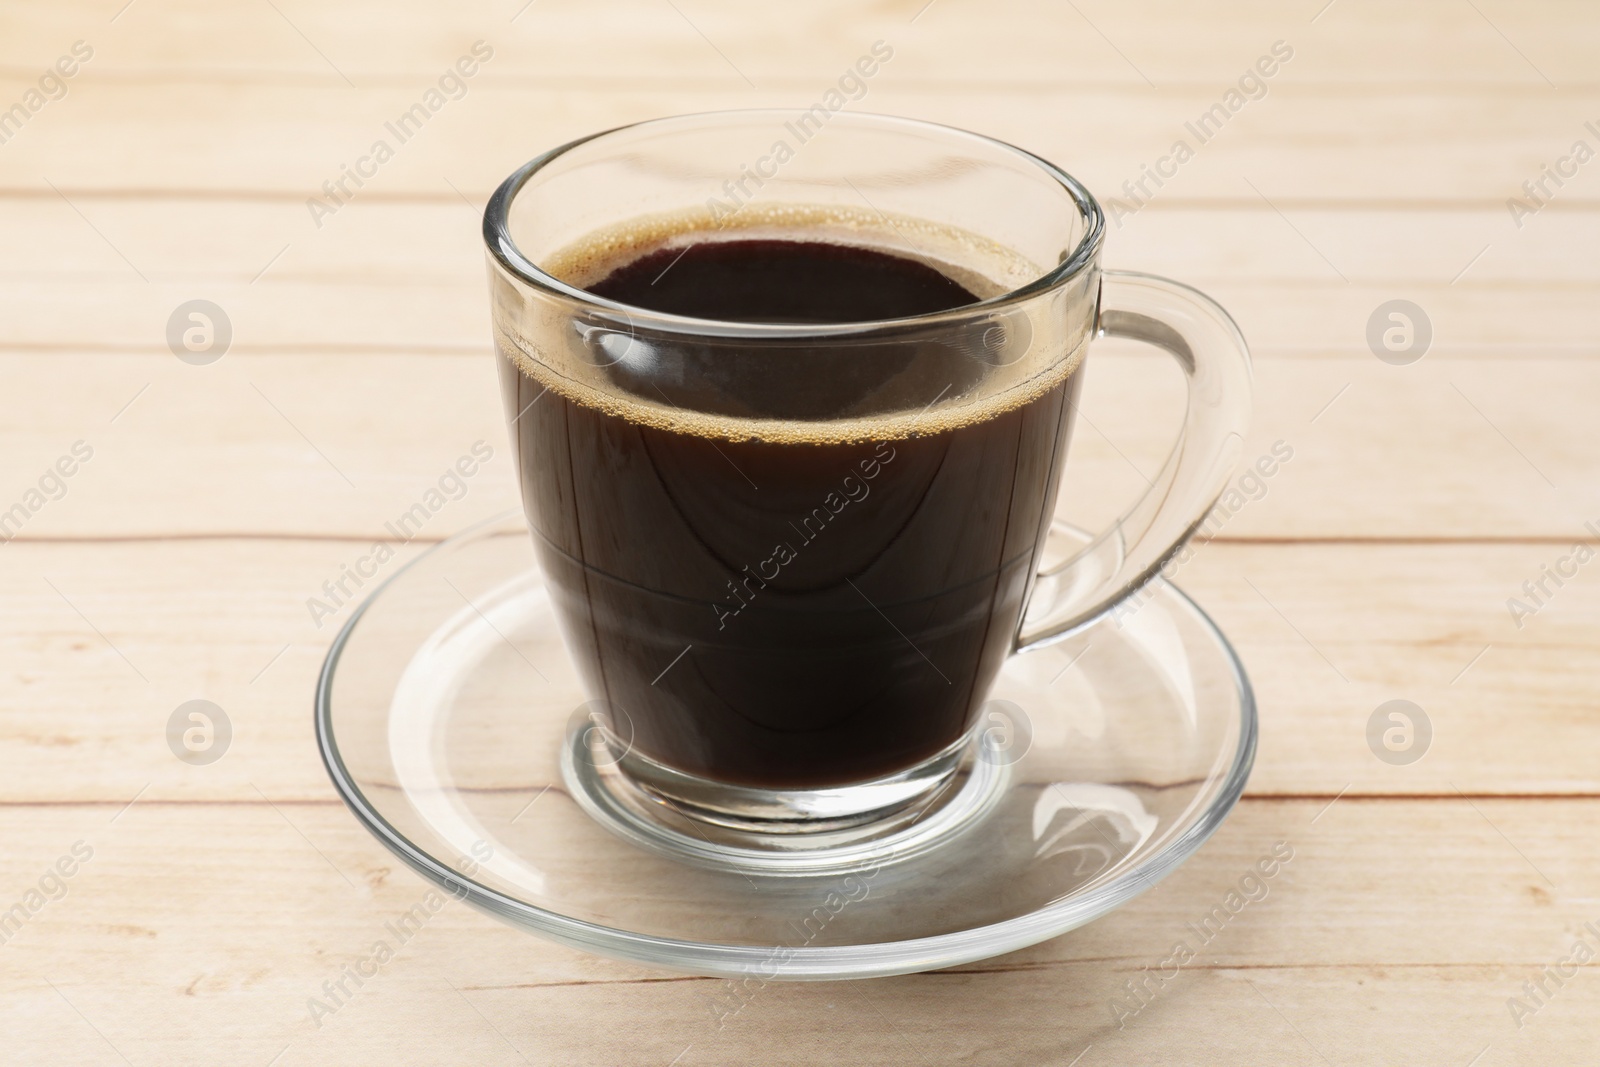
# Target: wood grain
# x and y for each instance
(88, 712)
(298, 135)
(1415, 916)
(1376, 564)
(326, 444)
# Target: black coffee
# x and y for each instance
(792, 610)
(782, 281)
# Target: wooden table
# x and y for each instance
(175, 562)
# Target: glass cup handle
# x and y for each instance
(1191, 326)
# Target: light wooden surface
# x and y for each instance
(1377, 566)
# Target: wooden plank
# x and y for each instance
(106, 272)
(230, 241)
(234, 949)
(133, 629)
(314, 445)
(1477, 147)
(1099, 43)
(111, 310)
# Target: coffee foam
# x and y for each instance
(986, 268)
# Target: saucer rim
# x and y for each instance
(804, 963)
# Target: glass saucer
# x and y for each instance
(448, 705)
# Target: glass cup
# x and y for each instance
(789, 559)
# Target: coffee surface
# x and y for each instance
(788, 613)
(768, 280)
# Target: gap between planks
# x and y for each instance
(1509, 540)
(1174, 204)
(667, 80)
(1247, 798)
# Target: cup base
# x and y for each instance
(795, 811)
(808, 831)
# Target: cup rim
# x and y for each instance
(506, 256)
